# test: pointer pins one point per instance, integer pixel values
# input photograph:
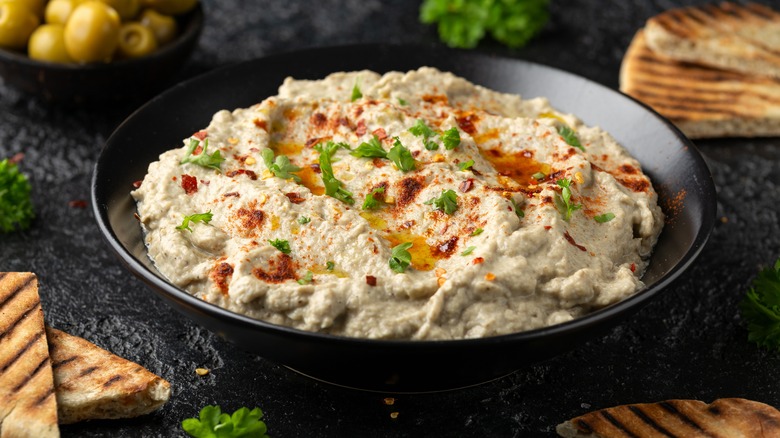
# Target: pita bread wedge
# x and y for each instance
(703, 102)
(27, 404)
(723, 418)
(92, 383)
(742, 38)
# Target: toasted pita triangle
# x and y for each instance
(92, 383)
(726, 417)
(27, 403)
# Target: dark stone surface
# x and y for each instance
(688, 343)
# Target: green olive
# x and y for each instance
(47, 43)
(171, 7)
(136, 40)
(92, 32)
(58, 11)
(127, 9)
(17, 23)
(36, 6)
(163, 27)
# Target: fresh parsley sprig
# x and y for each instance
(446, 202)
(450, 138)
(400, 257)
(761, 308)
(333, 187)
(563, 201)
(603, 218)
(401, 156)
(197, 217)
(370, 149)
(280, 166)
(212, 423)
(16, 209)
(570, 137)
(213, 161)
(370, 202)
(281, 244)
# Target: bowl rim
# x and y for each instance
(193, 20)
(595, 318)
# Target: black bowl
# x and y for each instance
(123, 79)
(677, 169)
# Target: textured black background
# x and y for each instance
(688, 343)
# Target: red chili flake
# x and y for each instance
(205, 182)
(261, 124)
(312, 141)
(378, 163)
(361, 127)
(435, 98)
(466, 185)
(197, 150)
(295, 198)
(78, 203)
(200, 135)
(189, 183)
(249, 173)
(547, 227)
(231, 194)
(315, 167)
(571, 240)
(319, 119)
(477, 261)
(137, 184)
(446, 248)
(343, 121)
(467, 123)
(370, 280)
(633, 267)
(380, 133)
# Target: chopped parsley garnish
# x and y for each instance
(451, 138)
(400, 257)
(371, 149)
(213, 161)
(306, 279)
(401, 156)
(421, 129)
(570, 137)
(333, 187)
(761, 308)
(538, 176)
(606, 217)
(468, 250)
(197, 217)
(280, 166)
(356, 93)
(563, 201)
(466, 165)
(214, 424)
(281, 245)
(370, 202)
(303, 220)
(16, 208)
(402, 102)
(518, 212)
(447, 202)
(329, 265)
(476, 232)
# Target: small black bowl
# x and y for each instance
(680, 175)
(122, 79)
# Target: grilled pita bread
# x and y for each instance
(741, 38)
(92, 383)
(703, 102)
(726, 417)
(27, 404)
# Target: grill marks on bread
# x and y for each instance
(27, 404)
(728, 417)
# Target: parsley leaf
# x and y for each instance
(303, 220)
(421, 129)
(214, 424)
(400, 257)
(213, 161)
(518, 212)
(281, 245)
(606, 217)
(371, 149)
(401, 156)
(451, 138)
(476, 232)
(402, 102)
(570, 137)
(197, 217)
(281, 166)
(447, 202)
(306, 279)
(329, 265)
(538, 176)
(468, 251)
(563, 201)
(464, 23)
(356, 93)
(16, 209)
(466, 165)
(333, 187)
(761, 308)
(370, 202)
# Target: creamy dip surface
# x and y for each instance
(498, 243)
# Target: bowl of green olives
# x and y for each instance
(95, 50)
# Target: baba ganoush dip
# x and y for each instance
(403, 206)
